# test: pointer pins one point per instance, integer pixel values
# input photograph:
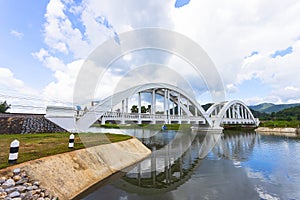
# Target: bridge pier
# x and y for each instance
(123, 119)
(102, 121)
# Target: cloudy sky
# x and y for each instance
(254, 45)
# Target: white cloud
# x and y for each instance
(291, 88)
(228, 31)
(16, 93)
(257, 100)
(279, 73)
(59, 33)
(17, 34)
(231, 88)
(49, 61)
(62, 89)
(78, 37)
(7, 79)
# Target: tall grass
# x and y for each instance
(33, 146)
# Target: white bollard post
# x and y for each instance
(13, 152)
(71, 141)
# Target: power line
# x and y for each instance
(33, 99)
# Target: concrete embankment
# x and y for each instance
(288, 132)
(69, 174)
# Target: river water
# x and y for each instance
(197, 165)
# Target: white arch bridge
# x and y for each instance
(178, 107)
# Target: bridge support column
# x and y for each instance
(188, 107)
(103, 121)
(123, 106)
(165, 102)
(153, 106)
(168, 107)
(239, 111)
(179, 105)
(173, 107)
(242, 110)
(153, 102)
(126, 106)
(139, 103)
(139, 108)
(122, 112)
(233, 112)
(179, 108)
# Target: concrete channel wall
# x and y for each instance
(288, 132)
(69, 174)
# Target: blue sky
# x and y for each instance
(15, 53)
(255, 45)
(283, 52)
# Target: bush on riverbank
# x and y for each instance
(280, 124)
(238, 127)
(33, 146)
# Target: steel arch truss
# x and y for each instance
(187, 111)
(233, 112)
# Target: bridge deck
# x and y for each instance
(154, 118)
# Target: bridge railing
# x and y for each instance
(117, 115)
(238, 121)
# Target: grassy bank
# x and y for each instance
(280, 124)
(148, 126)
(33, 146)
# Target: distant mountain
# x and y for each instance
(262, 106)
(270, 107)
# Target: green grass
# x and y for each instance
(280, 124)
(148, 126)
(33, 146)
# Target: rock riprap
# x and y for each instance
(18, 186)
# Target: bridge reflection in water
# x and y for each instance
(177, 154)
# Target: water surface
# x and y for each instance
(193, 165)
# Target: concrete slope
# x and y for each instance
(69, 174)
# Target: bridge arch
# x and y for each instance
(99, 110)
(231, 112)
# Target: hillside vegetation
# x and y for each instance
(288, 117)
(270, 107)
(288, 114)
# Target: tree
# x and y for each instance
(149, 109)
(4, 107)
(143, 109)
(134, 109)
